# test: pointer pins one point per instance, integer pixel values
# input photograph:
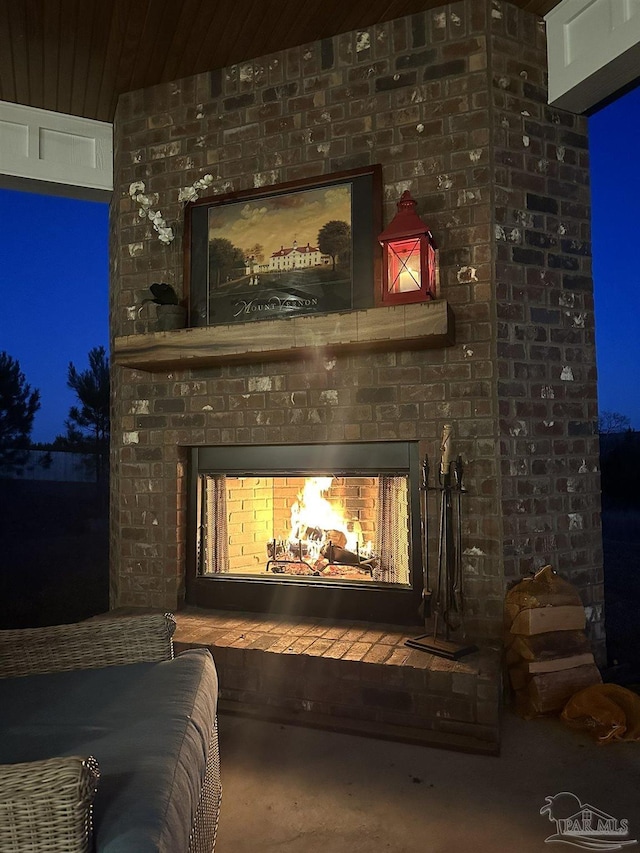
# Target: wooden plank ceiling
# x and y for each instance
(78, 56)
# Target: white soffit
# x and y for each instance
(54, 149)
(593, 51)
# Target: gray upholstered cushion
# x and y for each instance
(147, 724)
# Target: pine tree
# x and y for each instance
(18, 405)
(88, 426)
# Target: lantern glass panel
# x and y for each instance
(404, 265)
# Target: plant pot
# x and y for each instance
(170, 317)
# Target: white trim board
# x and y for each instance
(54, 149)
(593, 49)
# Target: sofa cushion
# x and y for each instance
(148, 725)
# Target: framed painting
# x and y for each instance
(306, 247)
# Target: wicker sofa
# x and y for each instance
(107, 742)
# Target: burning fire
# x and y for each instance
(322, 541)
(316, 522)
(312, 514)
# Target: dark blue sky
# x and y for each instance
(54, 294)
(54, 276)
(615, 190)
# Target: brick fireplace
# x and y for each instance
(313, 530)
(452, 103)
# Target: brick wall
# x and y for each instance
(251, 511)
(546, 371)
(451, 102)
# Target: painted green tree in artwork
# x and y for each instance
(18, 406)
(226, 261)
(334, 239)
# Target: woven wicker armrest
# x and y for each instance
(86, 645)
(46, 806)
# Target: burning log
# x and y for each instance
(337, 538)
(340, 557)
(315, 534)
(337, 554)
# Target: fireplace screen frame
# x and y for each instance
(368, 600)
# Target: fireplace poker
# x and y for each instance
(447, 598)
(457, 582)
(443, 595)
(424, 610)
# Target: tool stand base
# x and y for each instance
(441, 648)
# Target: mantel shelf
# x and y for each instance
(425, 325)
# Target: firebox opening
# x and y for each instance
(338, 523)
(320, 528)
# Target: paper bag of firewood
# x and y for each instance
(544, 589)
(547, 693)
(547, 652)
(541, 648)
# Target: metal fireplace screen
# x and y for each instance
(346, 528)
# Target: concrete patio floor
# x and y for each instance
(297, 790)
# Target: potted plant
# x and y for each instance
(170, 312)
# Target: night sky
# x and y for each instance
(54, 276)
(615, 189)
(54, 289)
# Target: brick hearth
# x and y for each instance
(348, 676)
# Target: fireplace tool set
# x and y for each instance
(445, 603)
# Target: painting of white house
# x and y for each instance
(280, 254)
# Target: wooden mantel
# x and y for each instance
(400, 327)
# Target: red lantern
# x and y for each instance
(409, 257)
